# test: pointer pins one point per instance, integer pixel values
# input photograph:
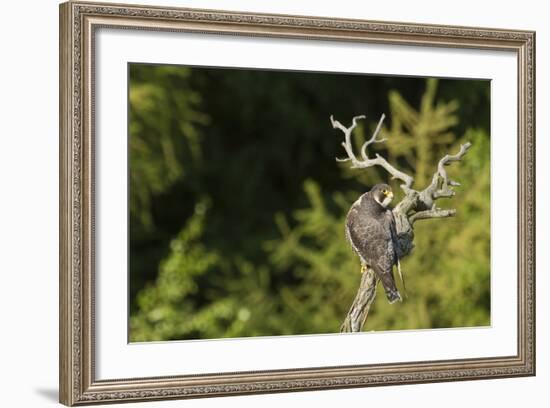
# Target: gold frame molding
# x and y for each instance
(78, 22)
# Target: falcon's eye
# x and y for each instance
(385, 192)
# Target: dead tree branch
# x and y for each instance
(435, 213)
(359, 310)
(366, 161)
(441, 185)
(415, 205)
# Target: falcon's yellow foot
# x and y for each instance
(363, 268)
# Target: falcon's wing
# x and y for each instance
(356, 233)
(381, 258)
(390, 222)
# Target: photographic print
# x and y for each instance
(269, 203)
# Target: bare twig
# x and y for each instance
(441, 185)
(366, 161)
(373, 138)
(434, 213)
(447, 159)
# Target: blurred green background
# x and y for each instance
(237, 203)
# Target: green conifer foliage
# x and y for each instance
(252, 246)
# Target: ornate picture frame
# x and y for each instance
(79, 22)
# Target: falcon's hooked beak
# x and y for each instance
(389, 196)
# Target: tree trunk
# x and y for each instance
(359, 310)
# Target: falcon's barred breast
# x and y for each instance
(370, 229)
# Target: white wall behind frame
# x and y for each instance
(28, 208)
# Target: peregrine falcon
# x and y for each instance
(370, 229)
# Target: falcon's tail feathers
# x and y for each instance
(392, 293)
(401, 277)
(393, 296)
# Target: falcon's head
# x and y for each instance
(382, 194)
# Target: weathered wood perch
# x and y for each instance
(416, 205)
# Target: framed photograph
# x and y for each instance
(256, 203)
